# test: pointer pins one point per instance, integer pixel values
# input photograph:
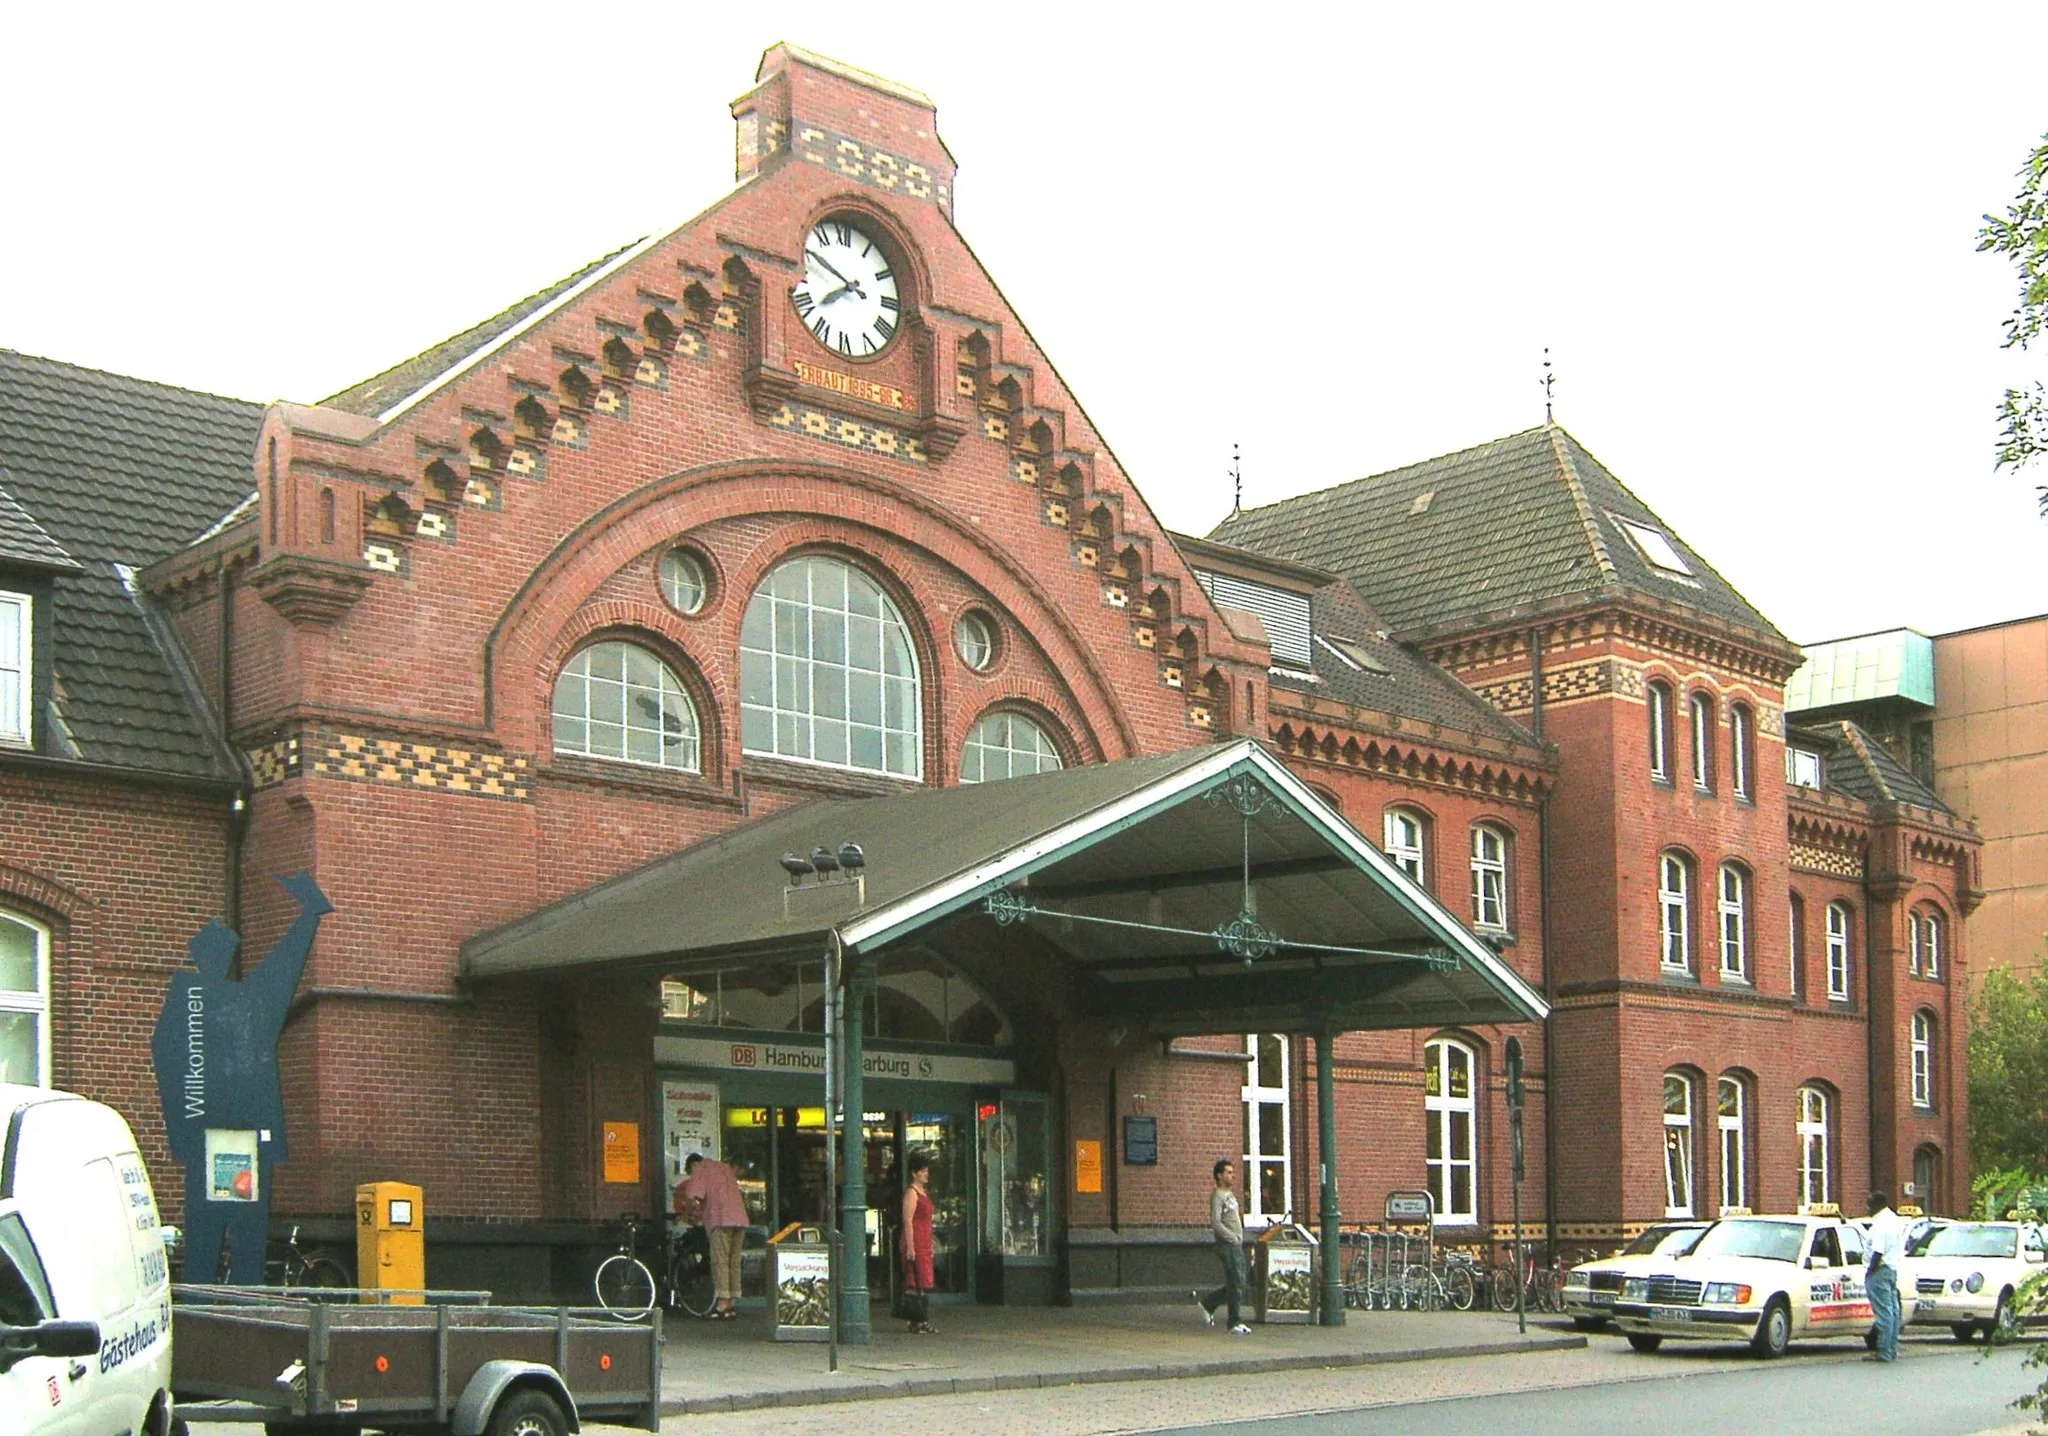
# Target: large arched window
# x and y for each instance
(1489, 878)
(1838, 952)
(1923, 1060)
(1449, 1076)
(1731, 1111)
(617, 700)
(1406, 832)
(1674, 898)
(1703, 742)
(24, 1002)
(1678, 1099)
(1006, 745)
(1733, 910)
(1658, 701)
(1812, 1131)
(828, 673)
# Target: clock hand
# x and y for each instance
(849, 287)
(826, 265)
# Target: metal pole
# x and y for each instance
(1515, 1187)
(831, 1162)
(853, 1200)
(1326, 1150)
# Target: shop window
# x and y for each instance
(828, 673)
(24, 1002)
(1006, 745)
(1016, 1160)
(917, 998)
(1450, 1112)
(1741, 752)
(1733, 911)
(1838, 952)
(17, 683)
(1658, 701)
(1678, 1149)
(618, 701)
(1732, 1110)
(1674, 899)
(1405, 833)
(1489, 878)
(1812, 1132)
(1923, 1061)
(1702, 743)
(1268, 1132)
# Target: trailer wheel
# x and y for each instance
(529, 1413)
(308, 1428)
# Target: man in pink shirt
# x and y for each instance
(709, 1194)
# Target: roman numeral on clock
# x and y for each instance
(889, 302)
(803, 302)
(884, 327)
(820, 328)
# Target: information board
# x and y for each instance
(1141, 1141)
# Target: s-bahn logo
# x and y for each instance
(742, 1054)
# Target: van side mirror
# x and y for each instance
(50, 1338)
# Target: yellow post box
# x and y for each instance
(391, 1244)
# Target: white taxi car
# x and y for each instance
(1765, 1280)
(1591, 1287)
(1967, 1277)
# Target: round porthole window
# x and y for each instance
(975, 637)
(683, 580)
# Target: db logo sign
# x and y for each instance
(742, 1056)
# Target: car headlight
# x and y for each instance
(1975, 1284)
(1956, 1285)
(1727, 1293)
(1636, 1288)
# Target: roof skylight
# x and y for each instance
(1654, 547)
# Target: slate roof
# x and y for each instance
(1523, 522)
(379, 392)
(24, 542)
(1410, 686)
(120, 472)
(1861, 767)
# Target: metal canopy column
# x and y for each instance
(1326, 1150)
(853, 1191)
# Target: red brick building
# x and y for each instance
(785, 507)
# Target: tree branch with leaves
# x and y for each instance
(2022, 237)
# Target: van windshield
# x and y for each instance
(1773, 1241)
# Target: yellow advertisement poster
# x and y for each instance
(1088, 1167)
(622, 1152)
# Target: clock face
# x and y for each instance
(847, 296)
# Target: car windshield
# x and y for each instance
(1664, 1241)
(1974, 1242)
(1773, 1241)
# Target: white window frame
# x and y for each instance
(670, 699)
(1838, 952)
(1733, 906)
(1741, 737)
(1734, 1143)
(1407, 838)
(1440, 1111)
(1701, 711)
(1262, 1089)
(1913, 943)
(794, 724)
(1812, 1131)
(1674, 912)
(1795, 937)
(36, 1003)
(1679, 1193)
(1923, 1061)
(1660, 730)
(1802, 764)
(1925, 932)
(995, 741)
(17, 726)
(1489, 878)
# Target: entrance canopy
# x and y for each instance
(1207, 890)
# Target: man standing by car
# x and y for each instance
(1889, 1233)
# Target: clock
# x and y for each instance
(847, 297)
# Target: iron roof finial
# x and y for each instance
(1236, 482)
(1548, 380)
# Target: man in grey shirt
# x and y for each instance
(1226, 1224)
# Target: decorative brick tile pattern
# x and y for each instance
(849, 433)
(274, 762)
(867, 165)
(420, 765)
(1832, 861)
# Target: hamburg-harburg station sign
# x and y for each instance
(802, 1058)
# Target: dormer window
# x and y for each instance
(1657, 550)
(1284, 613)
(17, 668)
(1802, 768)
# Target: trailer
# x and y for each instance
(306, 1365)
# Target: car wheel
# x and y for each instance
(1590, 1323)
(1774, 1332)
(1964, 1330)
(1645, 1340)
(2005, 1325)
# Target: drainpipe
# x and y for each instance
(853, 1200)
(238, 808)
(1549, 974)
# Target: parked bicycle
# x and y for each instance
(688, 1284)
(296, 1266)
(1540, 1287)
(623, 1285)
(1452, 1281)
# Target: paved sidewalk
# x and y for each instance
(732, 1366)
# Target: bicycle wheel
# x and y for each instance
(1504, 1281)
(625, 1288)
(322, 1270)
(691, 1287)
(1415, 1288)
(1459, 1289)
(1549, 1294)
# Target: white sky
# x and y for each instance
(1340, 239)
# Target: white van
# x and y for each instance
(85, 1296)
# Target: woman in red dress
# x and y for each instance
(917, 1239)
